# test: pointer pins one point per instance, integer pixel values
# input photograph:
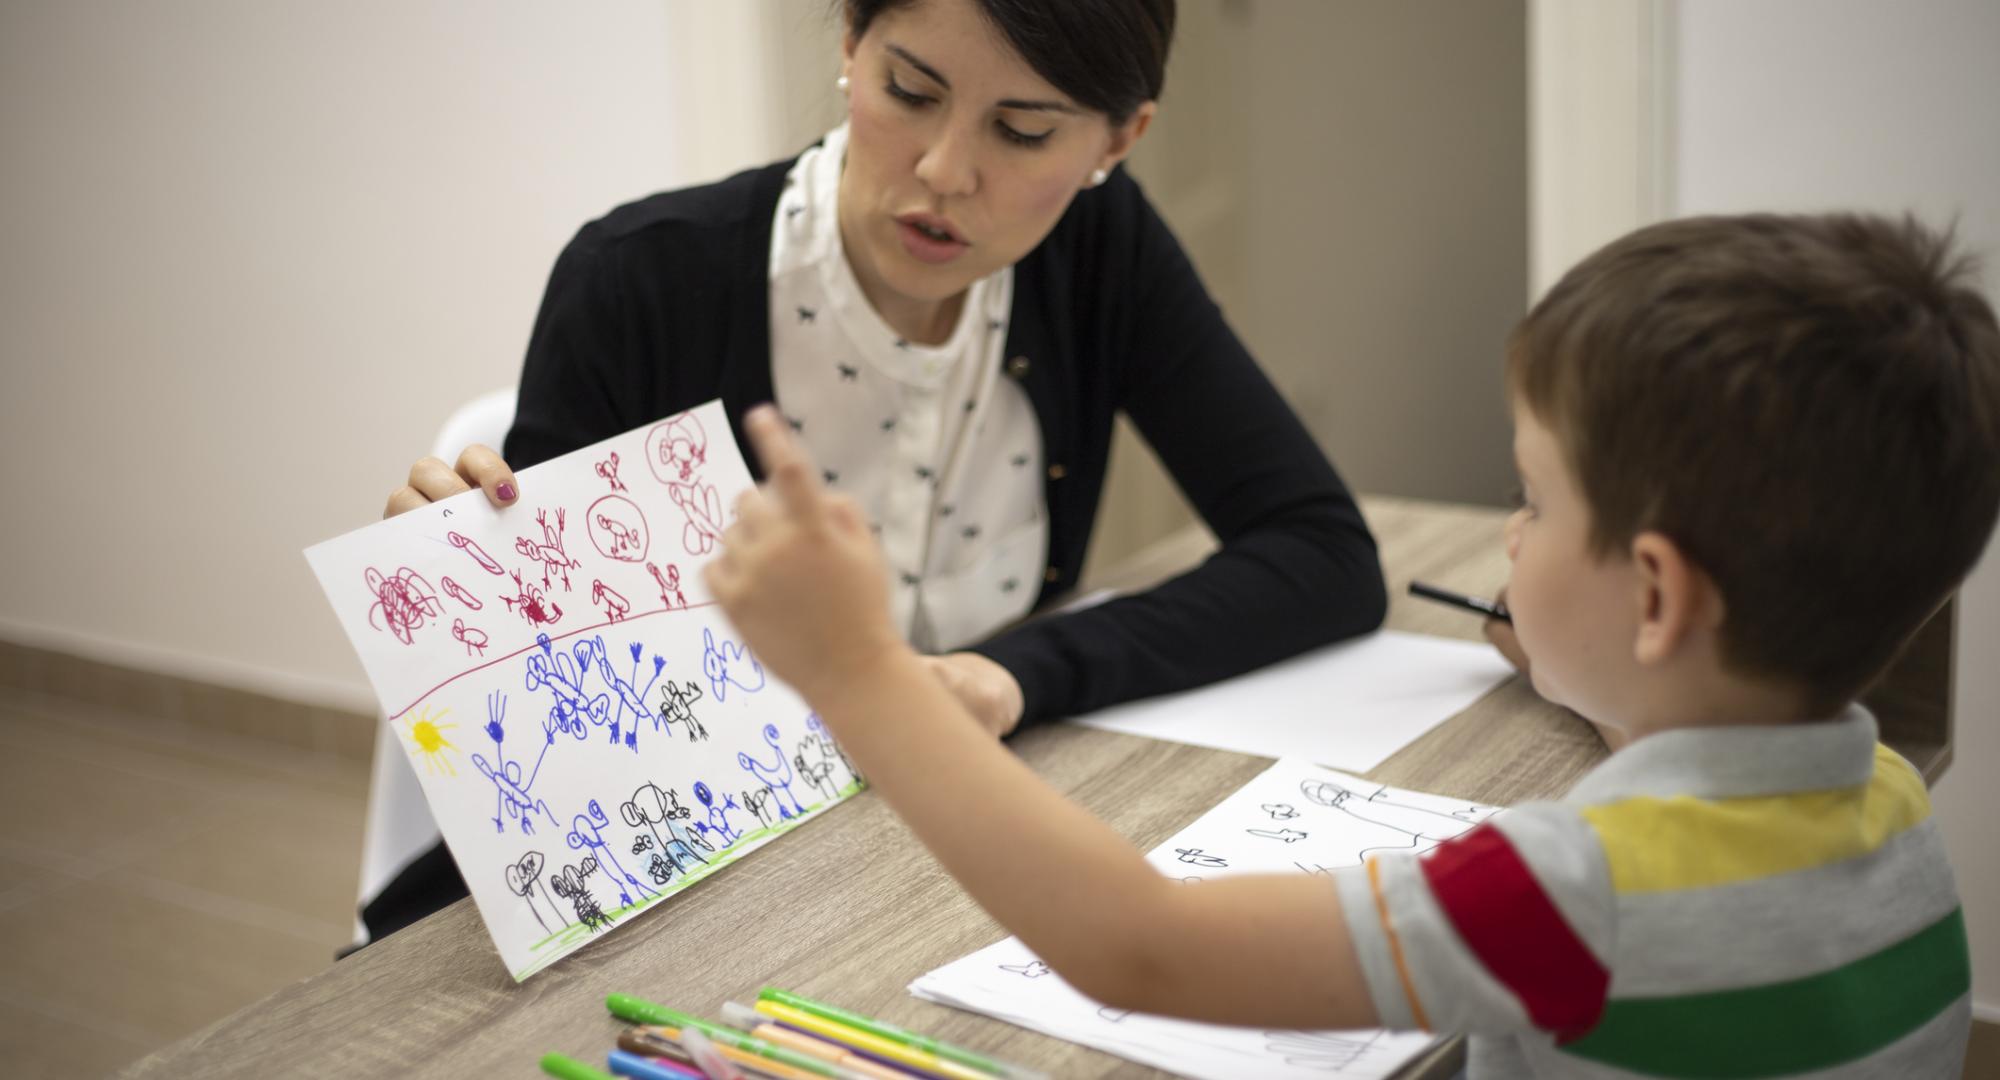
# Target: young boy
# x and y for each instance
(1757, 454)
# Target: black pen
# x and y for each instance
(1473, 604)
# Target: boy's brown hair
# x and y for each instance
(1809, 406)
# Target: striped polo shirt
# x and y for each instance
(1713, 902)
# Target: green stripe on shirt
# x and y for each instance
(1812, 1023)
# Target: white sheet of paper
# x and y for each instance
(588, 728)
(1350, 705)
(1294, 817)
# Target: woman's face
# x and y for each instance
(960, 158)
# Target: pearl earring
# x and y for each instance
(841, 84)
(1099, 176)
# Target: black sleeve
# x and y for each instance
(579, 367)
(1297, 568)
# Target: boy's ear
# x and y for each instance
(1675, 598)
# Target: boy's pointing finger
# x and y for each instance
(787, 467)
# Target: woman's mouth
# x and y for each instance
(929, 238)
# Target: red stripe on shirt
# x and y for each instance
(1516, 931)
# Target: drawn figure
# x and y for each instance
(615, 604)
(549, 551)
(522, 878)
(758, 802)
(587, 834)
(1423, 828)
(649, 808)
(675, 448)
(817, 773)
(659, 869)
(1112, 1016)
(726, 665)
(570, 886)
(563, 674)
(472, 637)
(1280, 811)
(777, 777)
(471, 547)
(677, 816)
(670, 586)
(718, 816)
(1032, 970)
(828, 748)
(677, 707)
(630, 697)
(1313, 868)
(535, 607)
(618, 529)
(703, 508)
(402, 602)
(457, 592)
(513, 796)
(1328, 1050)
(1289, 836)
(608, 470)
(428, 734)
(1195, 856)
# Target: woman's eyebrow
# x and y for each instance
(937, 76)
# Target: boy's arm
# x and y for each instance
(802, 579)
(1254, 949)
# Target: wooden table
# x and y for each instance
(852, 908)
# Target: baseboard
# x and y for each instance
(1986, 1012)
(88, 675)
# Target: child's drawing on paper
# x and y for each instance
(631, 745)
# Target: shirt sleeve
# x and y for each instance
(1505, 930)
(579, 368)
(1297, 567)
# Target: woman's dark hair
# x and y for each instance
(1109, 56)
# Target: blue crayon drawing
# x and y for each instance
(563, 676)
(731, 664)
(778, 777)
(631, 698)
(718, 816)
(514, 797)
(587, 834)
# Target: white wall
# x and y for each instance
(253, 253)
(1813, 104)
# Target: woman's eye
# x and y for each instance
(905, 96)
(1021, 138)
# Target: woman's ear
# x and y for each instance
(1675, 599)
(1125, 136)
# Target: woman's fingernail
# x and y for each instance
(506, 492)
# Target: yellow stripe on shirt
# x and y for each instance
(1723, 841)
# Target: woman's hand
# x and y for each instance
(987, 690)
(800, 575)
(431, 480)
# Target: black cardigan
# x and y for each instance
(662, 305)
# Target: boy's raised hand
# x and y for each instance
(800, 574)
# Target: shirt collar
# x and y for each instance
(1738, 762)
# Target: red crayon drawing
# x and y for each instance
(609, 471)
(615, 605)
(549, 551)
(471, 547)
(473, 637)
(703, 508)
(533, 606)
(618, 529)
(457, 592)
(670, 586)
(402, 602)
(676, 448)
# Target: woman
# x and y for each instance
(951, 296)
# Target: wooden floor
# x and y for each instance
(157, 876)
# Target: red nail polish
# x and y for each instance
(506, 492)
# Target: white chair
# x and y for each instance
(399, 825)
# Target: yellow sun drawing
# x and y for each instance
(429, 737)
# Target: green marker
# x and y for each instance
(899, 1035)
(569, 1068)
(640, 1011)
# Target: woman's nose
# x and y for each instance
(947, 166)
